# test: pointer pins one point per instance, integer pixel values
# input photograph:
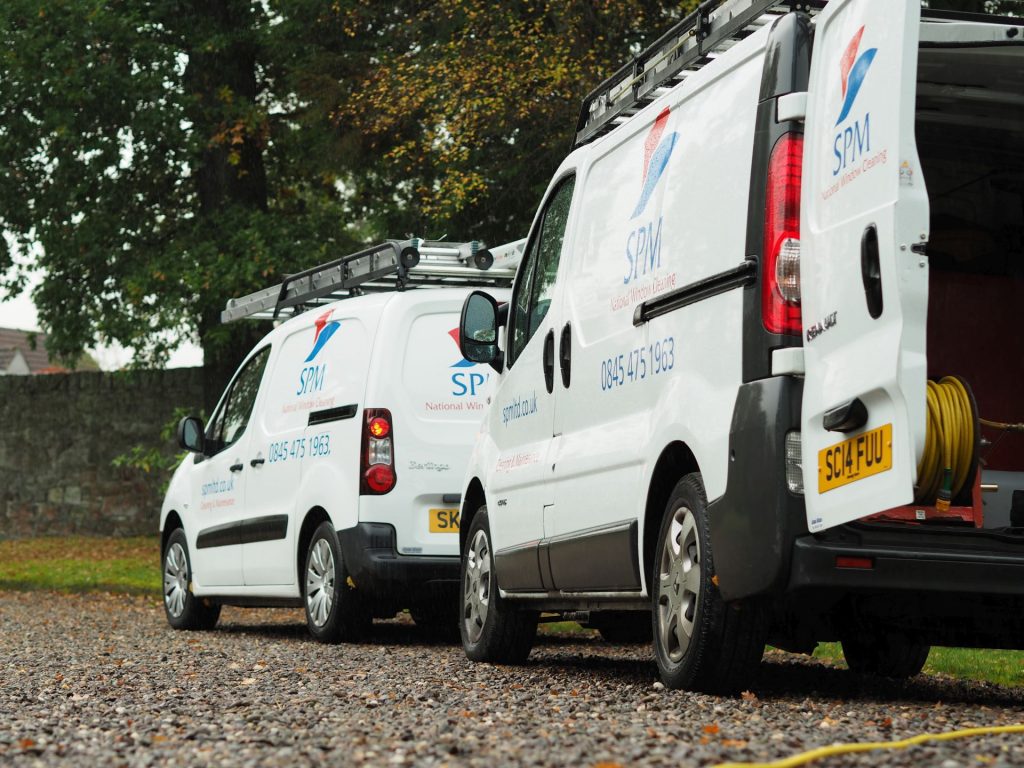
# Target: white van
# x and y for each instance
(329, 473)
(774, 229)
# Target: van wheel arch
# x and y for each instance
(171, 524)
(310, 523)
(675, 462)
(473, 499)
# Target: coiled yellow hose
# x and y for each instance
(949, 440)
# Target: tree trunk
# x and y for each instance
(230, 178)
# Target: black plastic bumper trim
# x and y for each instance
(375, 566)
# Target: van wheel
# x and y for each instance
(334, 612)
(183, 609)
(492, 630)
(889, 654)
(700, 642)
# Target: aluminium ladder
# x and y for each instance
(393, 265)
(691, 43)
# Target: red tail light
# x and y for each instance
(780, 278)
(377, 473)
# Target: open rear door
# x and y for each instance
(864, 223)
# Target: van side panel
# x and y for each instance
(332, 417)
(661, 208)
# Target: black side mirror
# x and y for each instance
(190, 434)
(478, 330)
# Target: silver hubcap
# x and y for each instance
(175, 579)
(320, 583)
(678, 585)
(476, 589)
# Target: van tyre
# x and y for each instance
(335, 612)
(889, 654)
(492, 630)
(183, 609)
(700, 642)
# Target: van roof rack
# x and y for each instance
(393, 265)
(691, 43)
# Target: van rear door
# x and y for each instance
(864, 223)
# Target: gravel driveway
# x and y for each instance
(101, 680)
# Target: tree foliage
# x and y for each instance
(161, 156)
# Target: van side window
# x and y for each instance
(535, 286)
(230, 422)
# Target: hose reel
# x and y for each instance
(952, 442)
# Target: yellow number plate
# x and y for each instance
(854, 459)
(444, 521)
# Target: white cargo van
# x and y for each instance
(764, 306)
(329, 473)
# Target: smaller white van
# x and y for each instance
(329, 474)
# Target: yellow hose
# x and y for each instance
(949, 440)
(844, 749)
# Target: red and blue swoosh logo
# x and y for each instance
(463, 363)
(324, 329)
(853, 69)
(657, 150)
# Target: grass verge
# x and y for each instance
(82, 564)
(992, 666)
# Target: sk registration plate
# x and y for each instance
(444, 521)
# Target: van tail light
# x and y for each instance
(377, 470)
(780, 282)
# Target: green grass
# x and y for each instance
(993, 666)
(82, 564)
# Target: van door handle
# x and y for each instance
(257, 462)
(565, 354)
(237, 467)
(871, 271)
(549, 361)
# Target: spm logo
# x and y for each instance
(855, 139)
(311, 377)
(324, 329)
(657, 152)
(465, 382)
(643, 246)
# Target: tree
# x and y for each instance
(146, 159)
(162, 156)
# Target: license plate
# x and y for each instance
(444, 521)
(854, 459)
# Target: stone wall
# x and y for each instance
(59, 435)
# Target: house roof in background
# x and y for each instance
(38, 359)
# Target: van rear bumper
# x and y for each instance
(918, 560)
(376, 567)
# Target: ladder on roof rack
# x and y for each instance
(389, 266)
(712, 29)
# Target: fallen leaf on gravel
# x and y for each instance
(26, 743)
(737, 743)
(748, 696)
(607, 765)
(887, 723)
(826, 722)
(712, 728)
(248, 681)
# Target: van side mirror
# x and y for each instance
(190, 434)
(478, 330)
